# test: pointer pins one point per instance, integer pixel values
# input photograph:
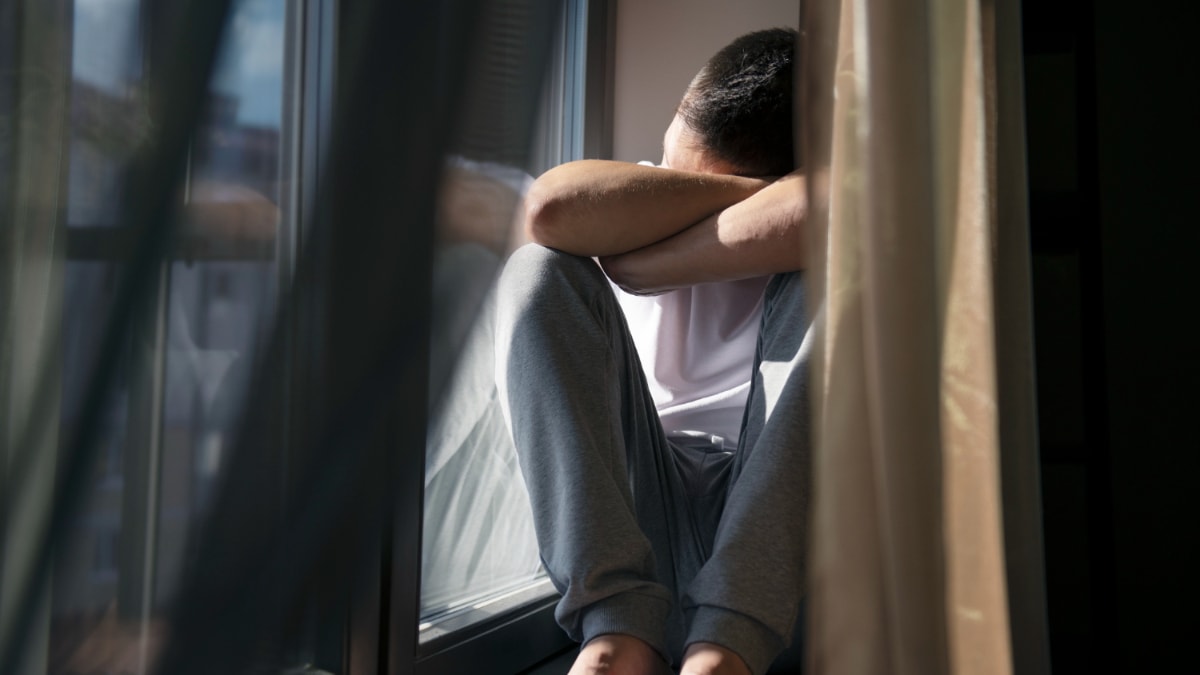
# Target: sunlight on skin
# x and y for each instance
(684, 150)
(705, 658)
(618, 654)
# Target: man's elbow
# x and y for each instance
(546, 220)
(538, 215)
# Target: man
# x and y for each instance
(662, 429)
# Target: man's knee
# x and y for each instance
(535, 272)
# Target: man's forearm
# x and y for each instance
(760, 235)
(601, 208)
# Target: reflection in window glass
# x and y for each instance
(478, 537)
(166, 434)
(479, 553)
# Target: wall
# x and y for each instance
(660, 44)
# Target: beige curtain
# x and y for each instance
(926, 549)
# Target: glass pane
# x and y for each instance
(87, 572)
(167, 431)
(108, 113)
(222, 298)
(478, 537)
(479, 553)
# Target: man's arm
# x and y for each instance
(604, 208)
(760, 235)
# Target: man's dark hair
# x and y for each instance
(740, 104)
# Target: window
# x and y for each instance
(160, 433)
(478, 549)
(195, 431)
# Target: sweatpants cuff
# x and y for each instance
(748, 638)
(642, 616)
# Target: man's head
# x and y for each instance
(738, 109)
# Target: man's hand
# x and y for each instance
(760, 235)
(605, 208)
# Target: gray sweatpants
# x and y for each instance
(643, 535)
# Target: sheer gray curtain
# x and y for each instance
(33, 114)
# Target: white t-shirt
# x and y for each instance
(697, 349)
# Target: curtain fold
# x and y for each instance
(922, 398)
(34, 75)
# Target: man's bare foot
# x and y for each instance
(706, 658)
(618, 654)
